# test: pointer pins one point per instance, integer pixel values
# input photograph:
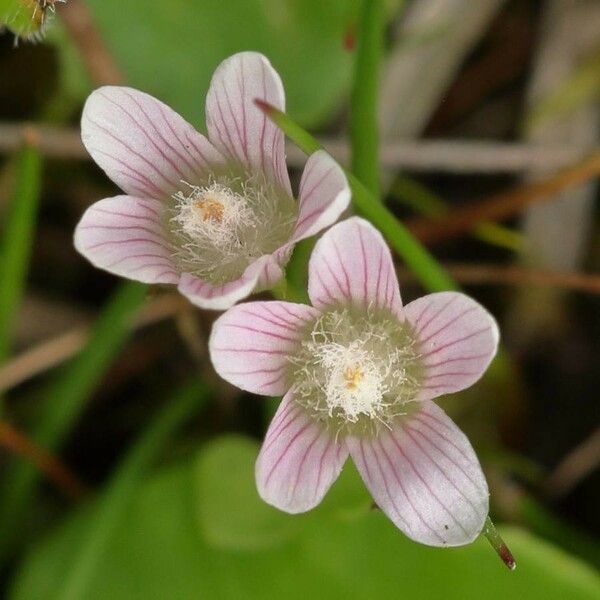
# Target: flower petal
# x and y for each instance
(145, 147)
(236, 126)
(250, 344)
(299, 461)
(125, 236)
(272, 272)
(351, 263)
(426, 478)
(221, 297)
(324, 195)
(458, 339)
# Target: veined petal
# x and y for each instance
(236, 126)
(351, 264)
(221, 297)
(324, 195)
(125, 236)
(299, 460)
(145, 147)
(426, 478)
(251, 343)
(458, 339)
(272, 272)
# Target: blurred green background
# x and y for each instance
(127, 467)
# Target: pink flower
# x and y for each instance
(359, 372)
(215, 216)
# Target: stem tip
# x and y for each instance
(498, 544)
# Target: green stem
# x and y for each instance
(426, 268)
(17, 239)
(498, 544)
(115, 499)
(64, 403)
(431, 274)
(364, 128)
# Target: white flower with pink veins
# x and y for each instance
(358, 372)
(214, 216)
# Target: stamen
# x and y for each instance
(357, 371)
(353, 376)
(210, 209)
(218, 229)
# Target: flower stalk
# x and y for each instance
(498, 544)
(428, 270)
(364, 133)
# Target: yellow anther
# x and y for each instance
(211, 209)
(353, 377)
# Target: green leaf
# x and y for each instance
(112, 505)
(159, 552)
(171, 48)
(17, 239)
(230, 513)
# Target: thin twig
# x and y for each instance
(60, 348)
(482, 274)
(53, 142)
(103, 70)
(504, 205)
(18, 443)
(581, 461)
(454, 156)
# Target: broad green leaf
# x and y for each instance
(113, 503)
(159, 552)
(171, 48)
(230, 513)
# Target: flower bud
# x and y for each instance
(26, 18)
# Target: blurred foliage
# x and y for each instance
(580, 88)
(423, 201)
(170, 49)
(17, 239)
(64, 403)
(117, 496)
(161, 549)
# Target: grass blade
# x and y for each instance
(426, 203)
(17, 239)
(431, 274)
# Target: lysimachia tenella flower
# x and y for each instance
(358, 372)
(215, 216)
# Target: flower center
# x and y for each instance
(357, 371)
(210, 209)
(353, 382)
(353, 376)
(212, 216)
(218, 229)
